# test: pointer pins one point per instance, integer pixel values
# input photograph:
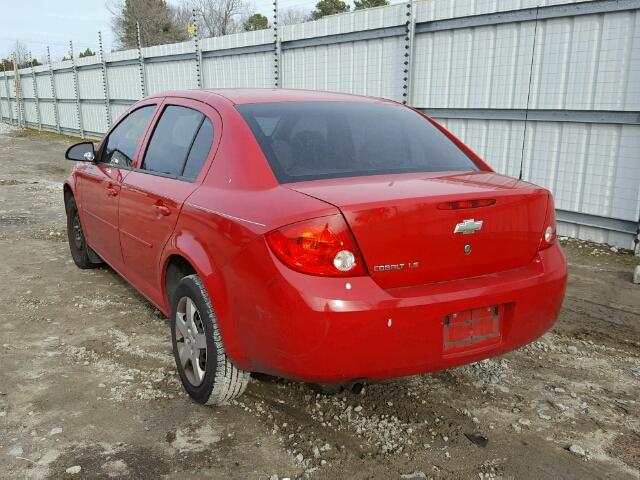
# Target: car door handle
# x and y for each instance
(112, 192)
(162, 210)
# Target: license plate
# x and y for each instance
(472, 328)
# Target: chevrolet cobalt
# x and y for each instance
(320, 237)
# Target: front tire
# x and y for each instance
(207, 374)
(80, 251)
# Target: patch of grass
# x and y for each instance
(32, 132)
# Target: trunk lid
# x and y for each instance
(406, 238)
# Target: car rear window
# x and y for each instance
(315, 140)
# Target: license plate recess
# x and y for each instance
(471, 329)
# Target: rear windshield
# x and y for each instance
(315, 140)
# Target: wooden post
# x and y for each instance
(8, 89)
(16, 80)
(1, 114)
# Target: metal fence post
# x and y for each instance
(56, 115)
(526, 112)
(7, 88)
(76, 90)
(35, 93)
(143, 80)
(410, 28)
(277, 47)
(105, 82)
(196, 46)
(1, 97)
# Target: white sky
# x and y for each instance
(39, 23)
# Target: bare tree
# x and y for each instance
(22, 55)
(293, 15)
(182, 15)
(20, 50)
(219, 17)
(158, 23)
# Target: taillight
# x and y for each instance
(549, 229)
(320, 246)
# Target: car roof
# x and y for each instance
(241, 96)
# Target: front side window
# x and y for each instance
(314, 140)
(180, 143)
(123, 141)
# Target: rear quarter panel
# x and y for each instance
(237, 203)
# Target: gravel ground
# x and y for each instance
(5, 128)
(88, 387)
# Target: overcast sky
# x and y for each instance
(39, 23)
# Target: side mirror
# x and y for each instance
(81, 152)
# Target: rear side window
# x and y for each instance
(123, 140)
(199, 151)
(314, 140)
(177, 147)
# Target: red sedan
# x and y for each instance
(314, 236)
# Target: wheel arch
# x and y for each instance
(68, 193)
(185, 251)
(177, 267)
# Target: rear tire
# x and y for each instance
(206, 372)
(80, 252)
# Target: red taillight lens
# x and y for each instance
(549, 230)
(321, 246)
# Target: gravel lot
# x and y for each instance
(88, 387)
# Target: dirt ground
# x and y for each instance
(87, 378)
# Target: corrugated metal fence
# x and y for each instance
(544, 89)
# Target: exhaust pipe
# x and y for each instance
(356, 387)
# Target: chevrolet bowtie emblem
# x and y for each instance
(467, 227)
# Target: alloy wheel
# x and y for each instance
(78, 235)
(191, 341)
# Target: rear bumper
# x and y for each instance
(322, 330)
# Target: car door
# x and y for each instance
(182, 143)
(99, 183)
